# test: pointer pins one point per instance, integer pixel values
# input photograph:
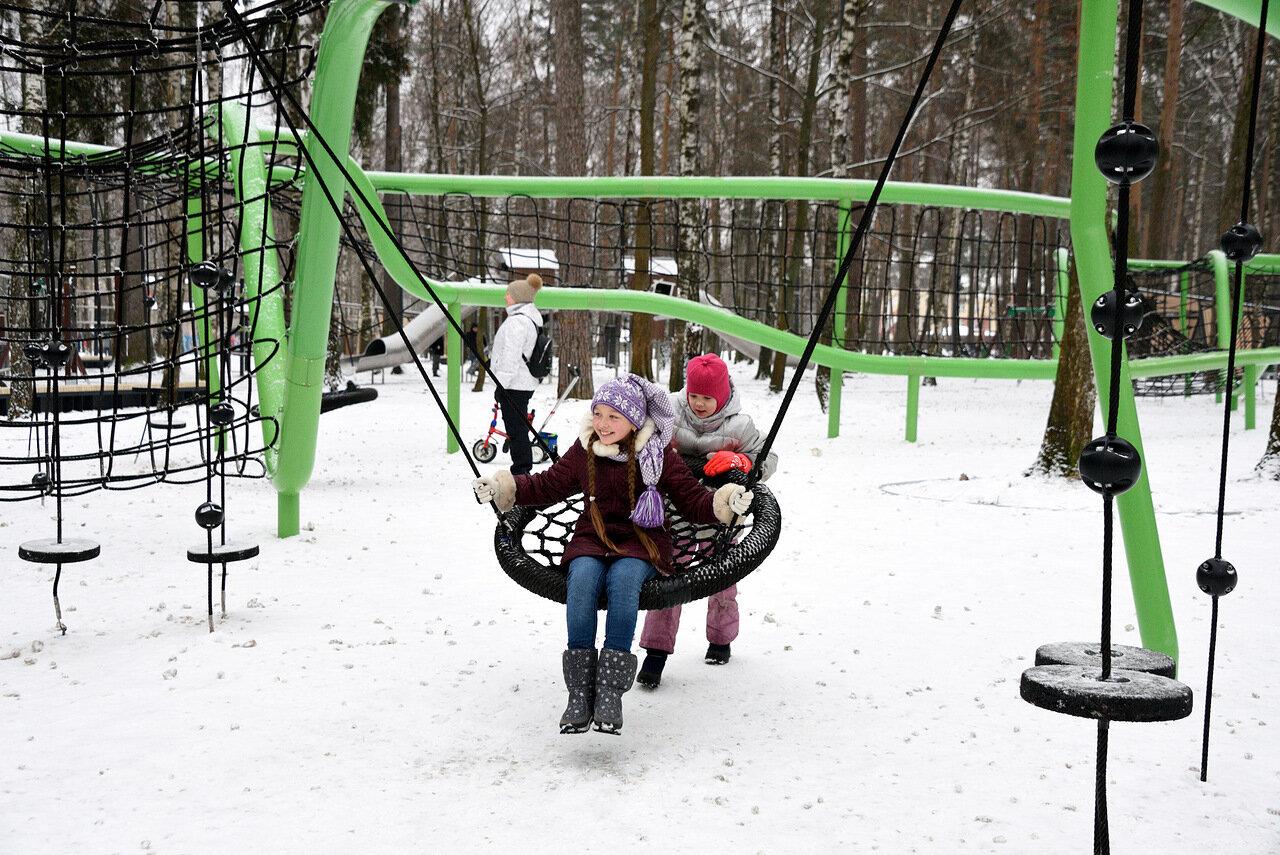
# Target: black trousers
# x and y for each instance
(515, 408)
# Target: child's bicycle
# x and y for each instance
(485, 450)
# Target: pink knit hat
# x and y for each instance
(708, 375)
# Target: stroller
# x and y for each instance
(486, 449)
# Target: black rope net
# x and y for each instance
(128, 330)
(927, 280)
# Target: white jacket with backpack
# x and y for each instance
(513, 344)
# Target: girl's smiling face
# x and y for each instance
(610, 425)
(702, 405)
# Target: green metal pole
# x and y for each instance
(337, 78)
(913, 406)
(1251, 396)
(835, 394)
(1094, 91)
(1221, 307)
(1231, 381)
(453, 375)
(262, 280)
(1061, 290)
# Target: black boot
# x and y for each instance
(580, 679)
(650, 675)
(717, 654)
(615, 675)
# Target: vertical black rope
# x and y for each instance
(1208, 692)
(1101, 828)
(1249, 243)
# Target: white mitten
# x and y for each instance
(486, 488)
(497, 487)
(731, 500)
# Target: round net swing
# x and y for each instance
(707, 559)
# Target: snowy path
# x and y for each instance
(380, 686)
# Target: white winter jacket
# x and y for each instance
(513, 345)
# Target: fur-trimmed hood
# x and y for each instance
(600, 449)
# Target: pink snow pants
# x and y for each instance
(722, 622)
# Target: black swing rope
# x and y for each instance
(864, 225)
(1248, 242)
(281, 94)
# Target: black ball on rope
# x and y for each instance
(40, 481)
(1110, 464)
(1126, 153)
(204, 275)
(169, 331)
(1216, 577)
(34, 353)
(209, 515)
(221, 414)
(1241, 242)
(55, 354)
(1103, 315)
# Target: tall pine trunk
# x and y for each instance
(649, 24)
(693, 28)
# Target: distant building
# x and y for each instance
(515, 262)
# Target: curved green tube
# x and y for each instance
(1094, 89)
(337, 78)
(261, 270)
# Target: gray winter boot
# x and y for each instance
(616, 673)
(580, 680)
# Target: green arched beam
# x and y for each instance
(337, 78)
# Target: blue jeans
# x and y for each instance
(588, 576)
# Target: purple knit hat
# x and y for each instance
(638, 399)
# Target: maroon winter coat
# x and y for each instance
(568, 477)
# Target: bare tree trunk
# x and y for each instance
(649, 24)
(1070, 424)
(573, 329)
(1157, 243)
(392, 162)
(777, 68)
(693, 28)
(1229, 207)
(842, 74)
(803, 141)
(1269, 465)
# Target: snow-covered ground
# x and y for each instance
(380, 686)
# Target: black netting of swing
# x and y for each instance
(706, 559)
(97, 244)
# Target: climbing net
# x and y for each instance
(129, 317)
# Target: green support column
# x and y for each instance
(453, 374)
(1061, 289)
(836, 393)
(913, 405)
(337, 79)
(1094, 91)
(1251, 373)
(262, 280)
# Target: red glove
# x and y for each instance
(723, 461)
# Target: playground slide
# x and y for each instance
(389, 350)
(747, 348)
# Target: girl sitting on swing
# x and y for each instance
(625, 465)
